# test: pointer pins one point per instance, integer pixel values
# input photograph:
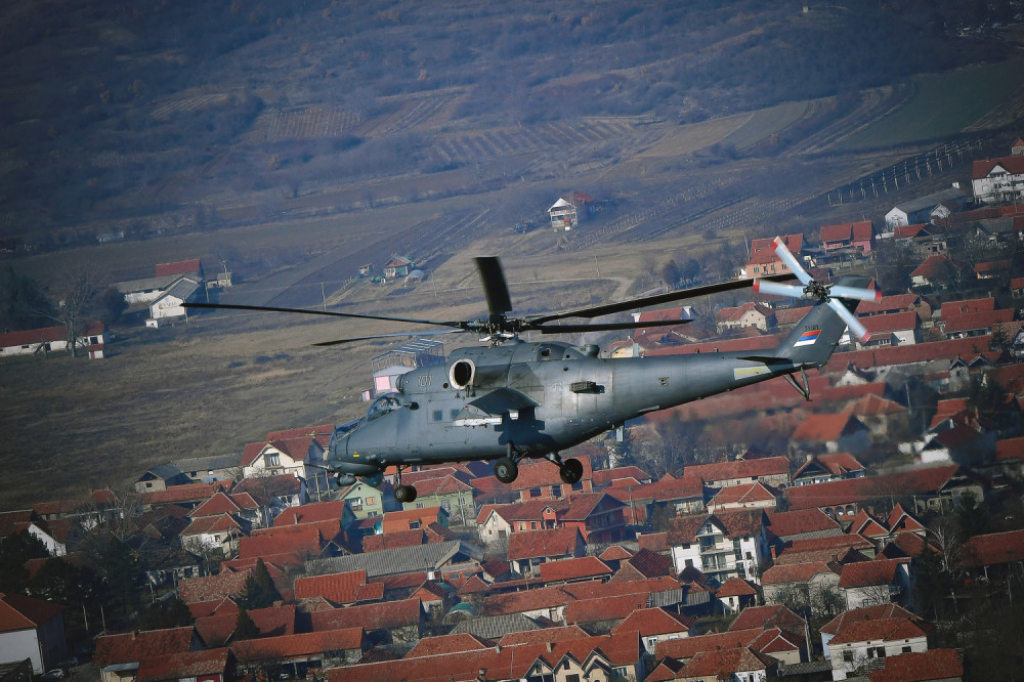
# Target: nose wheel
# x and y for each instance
(403, 493)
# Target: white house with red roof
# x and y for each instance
(748, 314)
(860, 643)
(998, 180)
(763, 260)
(33, 629)
(881, 581)
(300, 452)
(894, 329)
(52, 339)
(722, 545)
(526, 551)
(569, 211)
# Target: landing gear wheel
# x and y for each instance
(505, 470)
(405, 493)
(572, 471)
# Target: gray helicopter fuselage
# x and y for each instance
(543, 397)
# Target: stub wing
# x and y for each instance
(503, 400)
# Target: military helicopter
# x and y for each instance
(510, 398)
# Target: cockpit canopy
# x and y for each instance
(385, 404)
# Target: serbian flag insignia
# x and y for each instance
(808, 338)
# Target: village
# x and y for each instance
(874, 531)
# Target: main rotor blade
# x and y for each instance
(777, 289)
(647, 301)
(495, 288)
(433, 332)
(869, 295)
(606, 326)
(783, 252)
(856, 327)
(310, 311)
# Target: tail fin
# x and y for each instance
(815, 337)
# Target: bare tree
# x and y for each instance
(75, 296)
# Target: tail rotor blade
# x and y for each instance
(777, 289)
(783, 252)
(870, 295)
(856, 328)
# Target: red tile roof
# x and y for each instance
(656, 542)
(736, 587)
(573, 569)
(308, 513)
(340, 588)
(133, 647)
(184, 665)
(767, 617)
(740, 468)
(190, 492)
(970, 305)
(914, 481)
(725, 663)
(935, 664)
(544, 635)
(18, 612)
(993, 549)
(554, 542)
(880, 629)
(824, 428)
(604, 608)
(448, 644)
(274, 621)
(751, 494)
(874, 612)
(306, 539)
(654, 621)
(971, 322)
(894, 303)
(595, 588)
(279, 649)
(603, 477)
(775, 640)
(529, 600)
(870, 573)
(686, 648)
(846, 232)
(183, 267)
(801, 522)
(383, 616)
(620, 553)
(212, 587)
(784, 574)
(1010, 449)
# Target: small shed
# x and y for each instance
(569, 211)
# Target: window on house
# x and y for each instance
(371, 500)
(533, 525)
(556, 491)
(272, 459)
(848, 655)
(906, 650)
(413, 525)
(571, 678)
(446, 505)
(534, 492)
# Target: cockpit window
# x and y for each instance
(389, 402)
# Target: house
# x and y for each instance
(773, 471)
(859, 643)
(896, 329)
(147, 290)
(210, 468)
(736, 594)
(721, 545)
(832, 433)
(935, 271)
(998, 180)
(994, 554)
(568, 212)
(656, 625)
(867, 613)
(848, 235)
(119, 656)
(526, 551)
(751, 495)
(161, 477)
(683, 495)
(219, 534)
(573, 570)
(739, 663)
(217, 629)
(398, 266)
(300, 452)
(170, 304)
(866, 583)
(598, 517)
(28, 521)
(764, 261)
(748, 314)
(931, 488)
(281, 491)
(813, 584)
(828, 467)
(42, 341)
(31, 629)
(927, 209)
(806, 524)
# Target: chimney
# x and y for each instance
(773, 553)
(549, 647)
(835, 557)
